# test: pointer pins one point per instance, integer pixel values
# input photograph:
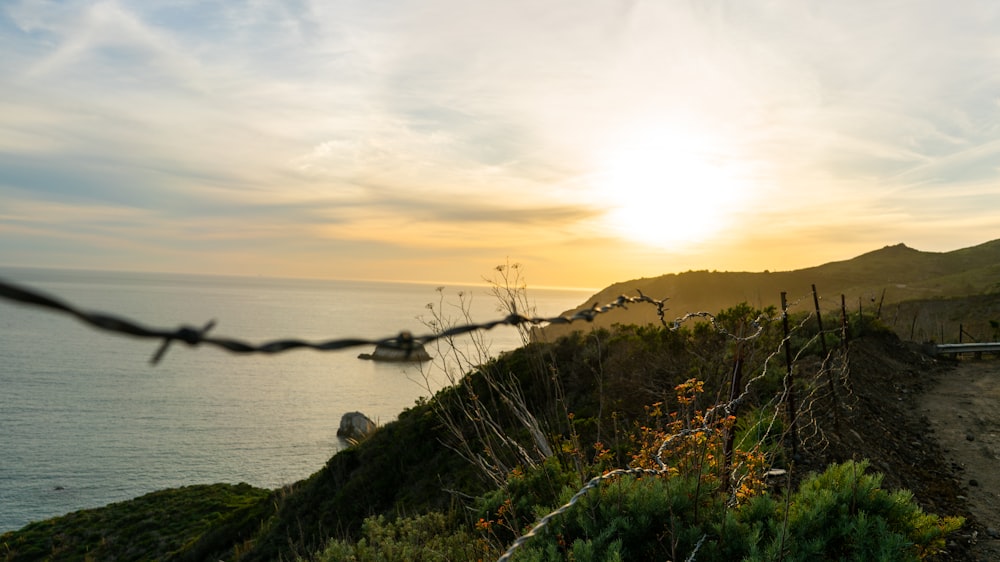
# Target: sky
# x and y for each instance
(590, 141)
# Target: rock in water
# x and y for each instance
(355, 425)
(396, 351)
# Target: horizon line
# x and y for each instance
(288, 278)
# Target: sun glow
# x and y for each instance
(669, 190)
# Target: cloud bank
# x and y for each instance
(348, 139)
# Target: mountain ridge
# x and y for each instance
(889, 275)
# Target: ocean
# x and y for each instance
(85, 420)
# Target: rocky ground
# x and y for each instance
(932, 427)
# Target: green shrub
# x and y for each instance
(506, 512)
(427, 538)
(841, 514)
(189, 523)
(647, 518)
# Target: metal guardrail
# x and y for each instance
(957, 348)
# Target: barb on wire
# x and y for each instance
(193, 336)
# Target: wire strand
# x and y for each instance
(193, 336)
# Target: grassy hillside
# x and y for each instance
(461, 475)
(190, 523)
(890, 275)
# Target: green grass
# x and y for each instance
(189, 523)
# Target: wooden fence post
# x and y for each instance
(844, 325)
(789, 380)
(819, 320)
(861, 318)
(734, 392)
(829, 379)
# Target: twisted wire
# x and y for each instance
(194, 336)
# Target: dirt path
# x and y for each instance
(963, 408)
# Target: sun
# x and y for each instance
(668, 190)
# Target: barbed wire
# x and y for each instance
(405, 340)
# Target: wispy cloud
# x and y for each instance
(327, 131)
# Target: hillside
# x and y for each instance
(414, 466)
(889, 276)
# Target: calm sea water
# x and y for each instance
(86, 421)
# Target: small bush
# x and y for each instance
(649, 518)
(844, 514)
(427, 538)
(841, 514)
